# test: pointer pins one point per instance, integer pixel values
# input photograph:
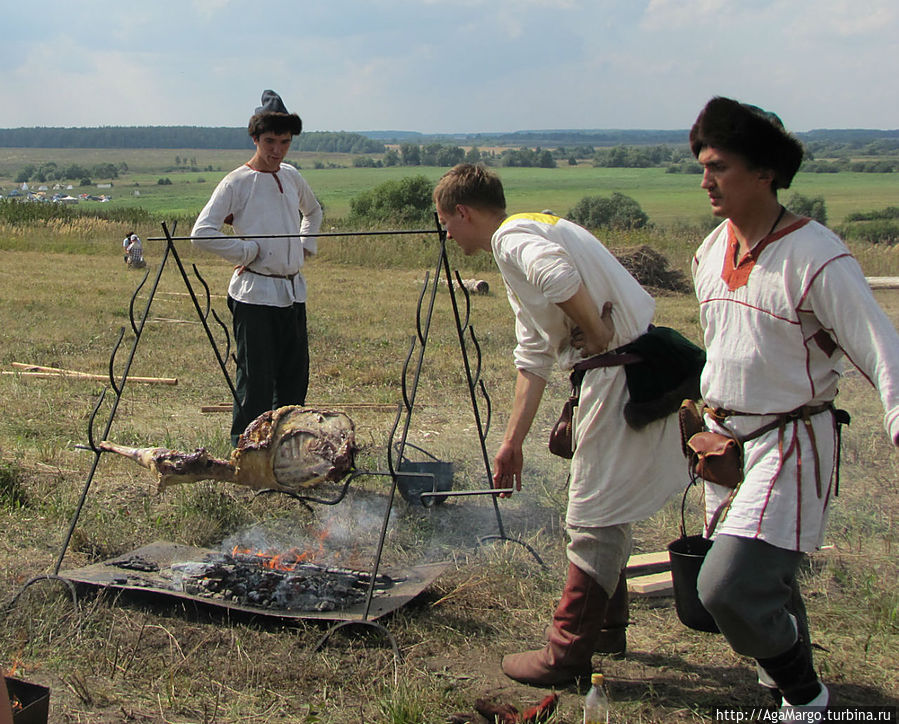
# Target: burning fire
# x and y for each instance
(288, 560)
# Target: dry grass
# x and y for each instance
(117, 660)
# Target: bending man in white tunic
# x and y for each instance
(781, 302)
(572, 299)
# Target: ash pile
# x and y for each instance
(275, 582)
(320, 564)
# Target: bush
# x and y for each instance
(820, 167)
(404, 202)
(804, 206)
(890, 212)
(684, 167)
(880, 231)
(615, 212)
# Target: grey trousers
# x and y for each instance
(750, 589)
(601, 553)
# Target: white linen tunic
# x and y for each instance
(618, 475)
(262, 202)
(775, 339)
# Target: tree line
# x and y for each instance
(177, 137)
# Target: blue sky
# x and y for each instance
(448, 66)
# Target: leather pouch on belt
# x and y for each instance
(561, 439)
(716, 458)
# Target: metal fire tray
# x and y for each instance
(407, 583)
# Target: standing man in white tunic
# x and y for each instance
(782, 302)
(572, 299)
(267, 293)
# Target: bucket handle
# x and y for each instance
(716, 517)
(683, 504)
(423, 451)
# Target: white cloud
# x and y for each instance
(450, 65)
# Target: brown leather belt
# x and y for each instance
(289, 277)
(719, 414)
(779, 423)
(607, 359)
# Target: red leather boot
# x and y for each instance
(612, 638)
(568, 653)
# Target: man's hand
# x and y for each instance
(507, 466)
(593, 345)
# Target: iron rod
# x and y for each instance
(394, 232)
(449, 493)
(119, 389)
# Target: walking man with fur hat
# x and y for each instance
(782, 303)
(267, 292)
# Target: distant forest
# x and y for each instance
(176, 137)
(885, 141)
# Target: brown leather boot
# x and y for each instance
(568, 653)
(612, 638)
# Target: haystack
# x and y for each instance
(652, 269)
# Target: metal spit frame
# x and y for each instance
(396, 447)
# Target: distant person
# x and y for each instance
(267, 293)
(573, 302)
(125, 242)
(134, 252)
(782, 303)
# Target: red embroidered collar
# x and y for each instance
(736, 275)
(273, 173)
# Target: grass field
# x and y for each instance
(135, 659)
(669, 199)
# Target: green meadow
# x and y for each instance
(117, 656)
(669, 199)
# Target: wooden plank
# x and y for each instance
(655, 584)
(642, 563)
(883, 282)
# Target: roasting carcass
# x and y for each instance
(285, 449)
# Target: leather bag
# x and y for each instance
(561, 439)
(716, 458)
(712, 456)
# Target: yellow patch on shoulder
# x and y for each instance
(542, 218)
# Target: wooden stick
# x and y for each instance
(173, 321)
(42, 368)
(43, 372)
(186, 294)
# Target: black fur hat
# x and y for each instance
(757, 135)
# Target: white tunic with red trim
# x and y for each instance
(618, 475)
(777, 327)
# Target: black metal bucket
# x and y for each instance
(687, 554)
(418, 481)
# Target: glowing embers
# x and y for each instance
(286, 580)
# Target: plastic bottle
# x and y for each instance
(596, 705)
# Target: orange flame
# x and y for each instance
(287, 560)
